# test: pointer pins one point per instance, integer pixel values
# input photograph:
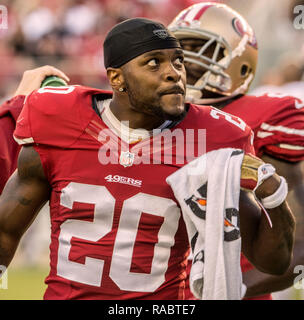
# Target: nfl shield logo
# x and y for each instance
(126, 158)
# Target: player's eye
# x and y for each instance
(179, 61)
(153, 62)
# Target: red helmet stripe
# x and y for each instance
(184, 15)
(201, 11)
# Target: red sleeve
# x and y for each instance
(22, 133)
(277, 122)
(248, 144)
(282, 133)
(9, 150)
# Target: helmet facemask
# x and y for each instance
(227, 68)
(214, 76)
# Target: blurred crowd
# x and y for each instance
(69, 34)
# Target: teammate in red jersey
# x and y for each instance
(220, 58)
(9, 112)
(117, 230)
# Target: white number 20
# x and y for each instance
(91, 271)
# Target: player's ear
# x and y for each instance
(116, 78)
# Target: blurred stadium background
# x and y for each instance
(69, 35)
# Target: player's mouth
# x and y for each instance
(174, 90)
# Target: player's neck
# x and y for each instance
(223, 104)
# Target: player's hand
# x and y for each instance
(264, 182)
(268, 187)
(32, 79)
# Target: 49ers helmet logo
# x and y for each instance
(240, 29)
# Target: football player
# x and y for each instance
(117, 230)
(220, 58)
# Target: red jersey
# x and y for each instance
(277, 122)
(278, 125)
(117, 229)
(9, 112)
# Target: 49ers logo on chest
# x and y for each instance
(126, 158)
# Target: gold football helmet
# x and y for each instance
(227, 56)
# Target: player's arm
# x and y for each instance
(259, 283)
(268, 248)
(25, 193)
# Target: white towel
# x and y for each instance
(208, 190)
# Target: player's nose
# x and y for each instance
(172, 74)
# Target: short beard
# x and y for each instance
(152, 109)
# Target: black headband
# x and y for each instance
(133, 37)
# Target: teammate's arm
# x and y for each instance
(25, 193)
(32, 79)
(259, 283)
(268, 248)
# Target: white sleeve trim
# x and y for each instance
(24, 141)
(261, 134)
(290, 147)
(267, 127)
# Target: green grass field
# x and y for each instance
(25, 284)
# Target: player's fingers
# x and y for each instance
(51, 71)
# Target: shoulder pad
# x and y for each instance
(55, 116)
